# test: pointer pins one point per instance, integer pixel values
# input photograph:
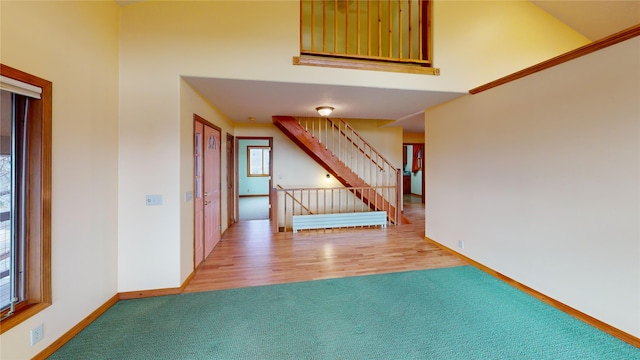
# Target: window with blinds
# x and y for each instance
(25, 202)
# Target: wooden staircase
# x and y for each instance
(312, 145)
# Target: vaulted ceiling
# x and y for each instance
(595, 19)
(241, 99)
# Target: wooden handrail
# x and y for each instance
(573, 54)
(292, 196)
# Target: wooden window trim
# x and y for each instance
(263, 147)
(38, 287)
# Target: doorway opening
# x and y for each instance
(255, 167)
(412, 172)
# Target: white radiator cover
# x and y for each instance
(329, 221)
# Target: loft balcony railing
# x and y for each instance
(394, 31)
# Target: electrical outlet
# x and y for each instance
(37, 333)
(461, 244)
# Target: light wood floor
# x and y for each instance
(249, 254)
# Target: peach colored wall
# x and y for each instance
(74, 45)
(121, 106)
(161, 41)
(413, 138)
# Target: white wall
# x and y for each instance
(540, 179)
(74, 45)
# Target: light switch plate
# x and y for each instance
(154, 200)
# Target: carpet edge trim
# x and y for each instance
(609, 329)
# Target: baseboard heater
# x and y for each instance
(329, 221)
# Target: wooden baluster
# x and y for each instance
(326, 135)
(313, 26)
(335, 26)
(379, 27)
(400, 29)
(331, 202)
(369, 27)
(410, 30)
(274, 210)
(390, 33)
(420, 40)
(357, 170)
(346, 27)
(285, 212)
(358, 27)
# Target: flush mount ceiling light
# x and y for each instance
(324, 110)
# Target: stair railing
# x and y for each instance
(310, 201)
(355, 152)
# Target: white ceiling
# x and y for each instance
(241, 99)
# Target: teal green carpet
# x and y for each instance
(455, 313)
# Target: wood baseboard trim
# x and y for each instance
(186, 281)
(49, 350)
(624, 336)
(147, 293)
(155, 292)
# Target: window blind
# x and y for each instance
(19, 87)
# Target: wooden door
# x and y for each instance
(211, 158)
(198, 194)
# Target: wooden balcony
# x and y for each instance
(386, 35)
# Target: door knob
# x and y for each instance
(207, 202)
(206, 193)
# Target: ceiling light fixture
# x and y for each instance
(324, 110)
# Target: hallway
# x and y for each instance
(250, 255)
